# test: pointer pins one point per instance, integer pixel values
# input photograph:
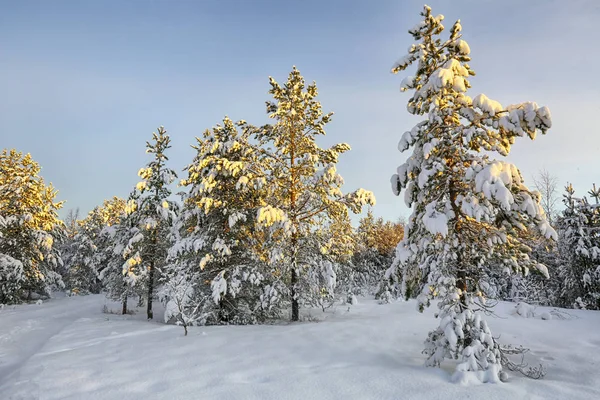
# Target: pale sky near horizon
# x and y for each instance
(84, 83)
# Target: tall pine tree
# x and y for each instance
(29, 230)
(154, 214)
(304, 183)
(467, 207)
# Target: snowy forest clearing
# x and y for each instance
(68, 348)
(262, 233)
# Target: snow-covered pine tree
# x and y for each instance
(531, 288)
(147, 250)
(29, 230)
(366, 259)
(79, 261)
(12, 273)
(467, 207)
(115, 238)
(579, 248)
(303, 180)
(329, 275)
(571, 226)
(71, 228)
(592, 277)
(541, 290)
(85, 257)
(375, 249)
(186, 304)
(110, 213)
(220, 242)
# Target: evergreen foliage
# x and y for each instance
(264, 220)
(467, 207)
(151, 215)
(83, 253)
(579, 248)
(305, 188)
(376, 241)
(220, 250)
(29, 230)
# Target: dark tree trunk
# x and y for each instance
(461, 283)
(294, 213)
(295, 305)
(124, 310)
(461, 263)
(461, 273)
(294, 279)
(150, 289)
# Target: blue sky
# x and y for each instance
(85, 83)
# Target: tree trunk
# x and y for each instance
(461, 273)
(124, 310)
(294, 215)
(294, 280)
(461, 283)
(150, 289)
(295, 305)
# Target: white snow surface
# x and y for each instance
(67, 348)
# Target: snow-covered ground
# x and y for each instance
(67, 348)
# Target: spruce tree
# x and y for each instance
(467, 207)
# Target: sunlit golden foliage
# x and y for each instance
(108, 214)
(30, 223)
(378, 234)
(25, 193)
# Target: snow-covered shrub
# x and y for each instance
(185, 305)
(524, 310)
(11, 279)
(546, 315)
(321, 285)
